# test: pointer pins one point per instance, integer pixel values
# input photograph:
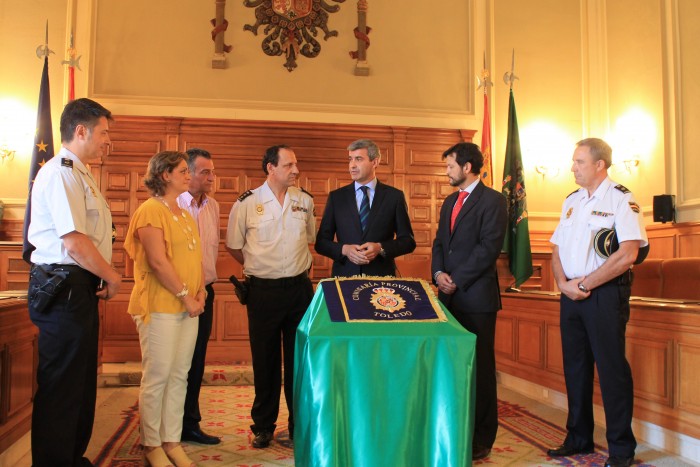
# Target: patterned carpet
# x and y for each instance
(522, 438)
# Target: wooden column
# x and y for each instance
(362, 65)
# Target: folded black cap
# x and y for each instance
(605, 244)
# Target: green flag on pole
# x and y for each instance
(517, 241)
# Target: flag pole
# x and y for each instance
(517, 241)
(487, 170)
(43, 140)
(72, 63)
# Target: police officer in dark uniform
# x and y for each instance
(595, 286)
(71, 228)
(269, 232)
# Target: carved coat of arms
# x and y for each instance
(291, 26)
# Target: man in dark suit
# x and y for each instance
(469, 238)
(365, 224)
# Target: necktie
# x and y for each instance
(457, 207)
(364, 207)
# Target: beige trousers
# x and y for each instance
(167, 345)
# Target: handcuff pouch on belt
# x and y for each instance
(240, 289)
(47, 283)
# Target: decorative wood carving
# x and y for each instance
(291, 26)
(220, 24)
(362, 34)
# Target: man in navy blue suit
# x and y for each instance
(469, 239)
(365, 224)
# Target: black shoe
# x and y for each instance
(619, 461)
(480, 452)
(565, 451)
(198, 436)
(262, 440)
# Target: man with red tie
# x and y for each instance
(469, 239)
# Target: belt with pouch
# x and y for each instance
(281, 282)
(76, 274)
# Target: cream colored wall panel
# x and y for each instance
(546, 36)
(635, 76)
(419, 59)
(22, 29)
(689, 36)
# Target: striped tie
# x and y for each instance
(364, 207)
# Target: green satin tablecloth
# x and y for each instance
(382, 394)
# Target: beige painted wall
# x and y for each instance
(582, 65)
(689, 79)
(425, 70)
(22, 29)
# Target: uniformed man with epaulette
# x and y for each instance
(595, 286)
(71, 229)
(269, 232)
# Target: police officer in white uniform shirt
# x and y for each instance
(595, 292)
(71, 228)
(269, 232)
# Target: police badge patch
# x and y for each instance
(385, 299)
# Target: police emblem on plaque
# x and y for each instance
(386, 299)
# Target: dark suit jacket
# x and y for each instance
(470, 252)
(388, 218)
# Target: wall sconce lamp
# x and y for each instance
(631, 163)
(6, 154)
(547, 171)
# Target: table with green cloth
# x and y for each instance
(382, 393)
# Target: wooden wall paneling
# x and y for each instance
(554, 360)
(663, 347)
(505, 336)
(14, 272)
(688, 377)
(662, 247)
(652, 368)
(11, 230)
(20, 367)
(689, 245)
(18, 362)
(232, 330)
(530, 342)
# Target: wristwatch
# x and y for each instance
(582, 287)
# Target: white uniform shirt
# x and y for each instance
(67, 199)
(207, 218)
(612, 206)
(275, 239)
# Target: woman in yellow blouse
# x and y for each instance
(168, 292)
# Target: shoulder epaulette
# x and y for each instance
(65, 162)
(573, 192)
(622, 189)
(245, 195)
(306, 192)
